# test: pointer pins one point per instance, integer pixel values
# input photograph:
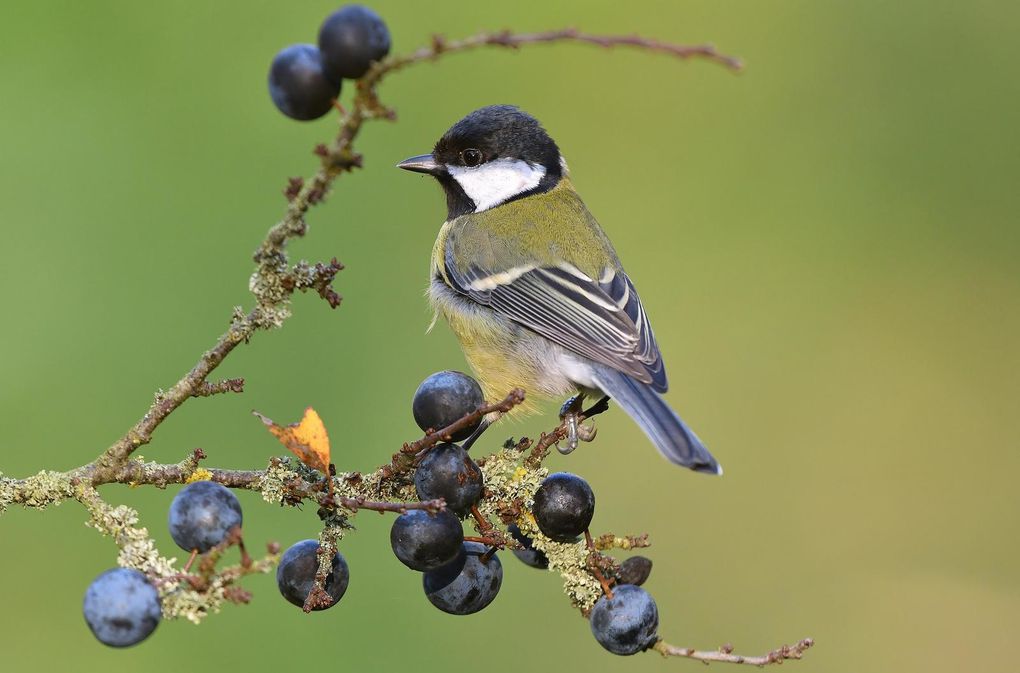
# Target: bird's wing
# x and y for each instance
(601, 319)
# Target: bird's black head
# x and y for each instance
(494, 155)
(497, 132)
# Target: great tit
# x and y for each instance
(531, 285)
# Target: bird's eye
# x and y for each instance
(471, 157)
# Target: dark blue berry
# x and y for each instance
(627, 622)
(448, 472)
(466, 585)
(295, 576)
(424, 541)
(445, 397)
(297, 84)
(121, 607)
(564, 506)
(529, 555)
(202, 514)
(350, 39)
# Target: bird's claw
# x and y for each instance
(571, 415)
(572, 426)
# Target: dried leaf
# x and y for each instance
(306, 439)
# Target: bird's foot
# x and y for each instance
(572, 415)
(482, 427)
(599, 407)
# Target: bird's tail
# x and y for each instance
(671, 437)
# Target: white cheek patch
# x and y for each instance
(497, 181)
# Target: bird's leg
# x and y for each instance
(599, 407)
(482, 427)
(570, 414)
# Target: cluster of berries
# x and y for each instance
(305, 79)
(460, 577)
(122, 605)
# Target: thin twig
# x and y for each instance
(496, 543)
(483, 524)
(593, 566)
(610, 541)
(430, 506)
(441, 45)
(725, 654)
(403, 460)
(207, 389)
(515, 397)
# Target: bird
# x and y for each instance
(531, 285)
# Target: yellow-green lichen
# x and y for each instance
(40, 490)
(570, 561)
(138, 551)
(351, 486)
(273, 483)
(274, 299)
(200, 474)
(508, 481)
(6, 492)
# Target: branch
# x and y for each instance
(403, 460)
(431, 506)
(610, 541)
(725, 653)
(507, 39)
(225, 386)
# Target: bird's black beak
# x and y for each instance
(423, 163)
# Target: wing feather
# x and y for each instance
(602, 320)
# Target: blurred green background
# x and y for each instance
(827, 244)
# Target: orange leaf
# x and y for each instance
(307, 439)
